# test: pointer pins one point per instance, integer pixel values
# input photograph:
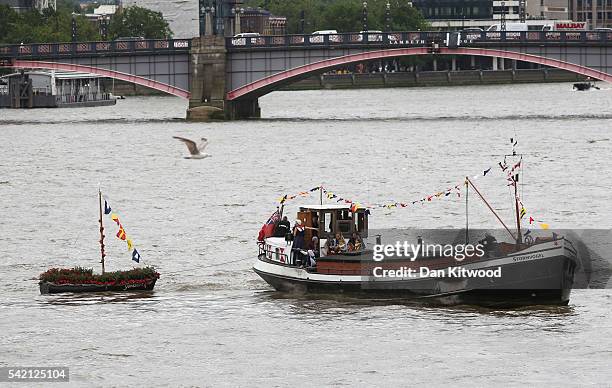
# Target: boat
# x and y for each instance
(584, 86)
(53, 89)
(81, 280)
(523, 271)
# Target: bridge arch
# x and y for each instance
(103, 73)
(273, 82)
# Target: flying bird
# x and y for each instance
(195, 151)
(596, 140)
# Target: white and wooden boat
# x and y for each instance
(532, 270)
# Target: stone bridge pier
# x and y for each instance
(208, 84)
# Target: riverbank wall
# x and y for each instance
(393, 80)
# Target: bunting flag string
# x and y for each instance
(530, 222)
(121, 233)
(509, 170)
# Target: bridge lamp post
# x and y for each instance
(208, 28)
(104, 26)
(365, 16)
(302, 21)
(388, 16)
(503, 16)
(236, 12)
(74, 28)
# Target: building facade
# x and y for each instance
(597, 13)
(548, 9)
(457, 14)
(27, 5)
(455, 9)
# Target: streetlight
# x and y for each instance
(236, 12)
(74, 28)
(302, 21)
(365, 16)
(388, 16)
(104, 26)
(503, 16)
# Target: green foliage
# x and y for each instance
(79, 275)
(8, 17)
(56, 26)
(344, 15)
(139, 22)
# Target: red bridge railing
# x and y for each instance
(420, 38)
(119, 47)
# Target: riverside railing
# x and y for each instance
(118, 47)
(421, 38)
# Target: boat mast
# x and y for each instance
(102, 254)
(467, 238)
(321, 195)
(519, 237)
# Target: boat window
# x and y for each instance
(361, 222)
(345, 226)
(327, 222)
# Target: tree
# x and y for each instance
(344, 15)
(8, 17)
(139, 22)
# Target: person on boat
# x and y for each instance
(312, 258)
(355, 243)
(315, 225)
(298, 238)
(314, 244)
(336, 244)
(283, 227)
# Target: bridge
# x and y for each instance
(224, 77)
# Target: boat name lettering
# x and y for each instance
(528, 257)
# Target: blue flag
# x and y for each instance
(107, 209)
(136, 256)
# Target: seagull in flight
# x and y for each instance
(195, 151)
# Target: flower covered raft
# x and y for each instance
(79, 279)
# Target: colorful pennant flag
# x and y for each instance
(136, 256)
(121, 233)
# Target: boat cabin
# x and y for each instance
(327, 220)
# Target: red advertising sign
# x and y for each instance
(570, 25)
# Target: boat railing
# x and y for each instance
(275, 255)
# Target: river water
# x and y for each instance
(211, 321)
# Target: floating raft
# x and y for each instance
(77, 280)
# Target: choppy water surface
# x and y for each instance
(213, 322)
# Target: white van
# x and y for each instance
(241, 39)
(317, 36)
(514, 27)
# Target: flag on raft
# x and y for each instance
(121, 234)
(267, 229)
(107, 208)
(136, 256)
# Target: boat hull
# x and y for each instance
(54, 288)
(545, 281)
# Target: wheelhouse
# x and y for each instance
(327, 220)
